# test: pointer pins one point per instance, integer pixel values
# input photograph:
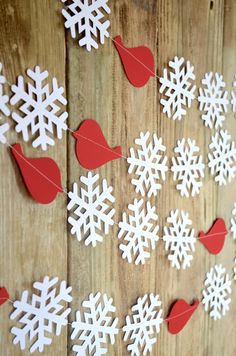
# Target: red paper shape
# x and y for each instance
(214, 239)
(92, 150)
(138, 62)
(4, 296)
(180, 314)
(42, 176)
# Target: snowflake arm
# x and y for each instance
(148, 163)
(145, 321)
(222, 160)
(213, 100)
(138, 232)
(187, 167)
(233, 222)
(92, 327)
(179, 239)
(233, 97)
(38, 107)
(216, 294)
(89, 209)
(39, 316)
(86, 19)
(4, 99)
(177, 88)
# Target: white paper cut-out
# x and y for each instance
(213, 100)
(233, 97)
(4, 99)
(187, 167)
(84, 18)
(40, 314)
(94, 326)
(177, 87)
(40, 114)
(149, 164)
(216, 294)
(235, 269)
(144, 323)
(222, 160)
(179, 239)
(90, 209)
(139, 232)
(233, 222)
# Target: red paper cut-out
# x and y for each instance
(214, 239)
(180, 314)
(92, 150)
(138, 62)
(42, 176)
(4, 296)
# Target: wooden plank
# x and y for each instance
(33, 236)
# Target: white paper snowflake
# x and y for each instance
(41, 314)
(187, 167)
(4, 99)
(139, 232)
(94, 326)
(179, 239)
(90, 210)
(216, 295)
(144, 323)
(149, 164)
(233, 95)
(233, 222)
(84, 18)
(177, 88)
(222, 160)
(38, 108)
(213, 100)
(235, 269)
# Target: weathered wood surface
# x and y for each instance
(35, 239)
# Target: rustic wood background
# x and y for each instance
(35, 239)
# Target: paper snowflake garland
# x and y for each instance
(94, 326)
(233, 97)
(39, 315)
(213, 100)
(4, 99)
(84, 19)
(179, 239)
(233, 222)
(187, 167)
(38, 106)
(143, 324)
(139, 232)
(222, 159)
(148, 163)
(177, 87)
(216, 294)
(90, 210)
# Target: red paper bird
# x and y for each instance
(4, 296)
(214, 239)
(138, 62)
(92, 150)
(180, 314)
(42, 176)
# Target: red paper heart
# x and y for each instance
(42, 176)
(4, 296)
(180, 314)
(92, 150)
(214, 239)
(138, 62)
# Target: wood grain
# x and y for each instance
(36, 240)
